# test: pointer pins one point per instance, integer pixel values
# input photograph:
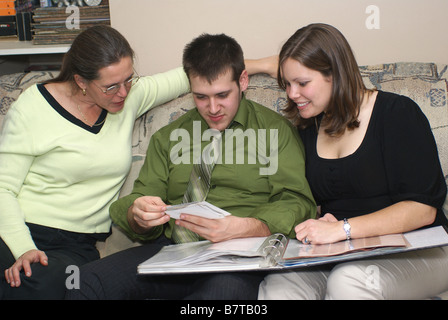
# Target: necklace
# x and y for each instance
(88, 122)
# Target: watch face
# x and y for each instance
(347, 227)
(92, 2)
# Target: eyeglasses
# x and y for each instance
(114, 89)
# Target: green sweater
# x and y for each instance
(273, 190)
(56, 172)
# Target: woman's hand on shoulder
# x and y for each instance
(268, 65)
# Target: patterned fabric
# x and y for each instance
(425, 83)
(199, 183)
(12, 85)
(198, 186)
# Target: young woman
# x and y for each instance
(373, 167)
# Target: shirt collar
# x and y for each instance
(242, 114)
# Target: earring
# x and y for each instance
(84, 92)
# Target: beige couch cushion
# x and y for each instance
(426, 83)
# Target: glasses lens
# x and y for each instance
(112, 90)
(128, 84)
(133, 81)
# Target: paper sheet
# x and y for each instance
(201, 209)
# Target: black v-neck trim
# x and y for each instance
(68, 116)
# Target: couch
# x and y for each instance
(425, 83)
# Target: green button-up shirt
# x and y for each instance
(261, 172)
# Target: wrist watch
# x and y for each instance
(347, 229)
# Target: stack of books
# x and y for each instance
(60, 25)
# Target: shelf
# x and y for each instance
(16, 47)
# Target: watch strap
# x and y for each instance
(347, 229)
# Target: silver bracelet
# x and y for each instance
(347, 229)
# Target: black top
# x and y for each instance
(396, 161)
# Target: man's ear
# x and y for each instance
(244, 80)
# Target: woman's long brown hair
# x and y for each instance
(93, 49)
(323, 48)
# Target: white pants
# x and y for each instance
(412, 275)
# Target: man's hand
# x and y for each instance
(147, 212)
(24, 262)
(230, 227)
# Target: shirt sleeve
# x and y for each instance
(152, 91)
(16, 154)
(152, 180)
(410, 155)
(291, 201)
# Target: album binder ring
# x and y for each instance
(272, 249)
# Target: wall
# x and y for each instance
(409, 30)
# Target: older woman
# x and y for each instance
(65, 151)
(373, 167)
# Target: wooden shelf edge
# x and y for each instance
(16, 47)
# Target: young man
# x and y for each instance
(259, 178)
